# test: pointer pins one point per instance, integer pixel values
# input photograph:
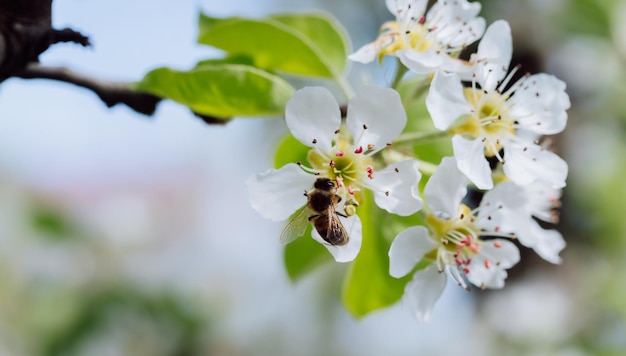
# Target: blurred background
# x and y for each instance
(122, 234)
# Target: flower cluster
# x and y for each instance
(342, 153)
(501, 180)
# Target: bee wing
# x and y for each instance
(296, 226)
(337, 234)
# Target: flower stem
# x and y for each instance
(401, 69)
(421, 138)
(427, 168)
(345, 87)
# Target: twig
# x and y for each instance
(26, 32)
(110, 92)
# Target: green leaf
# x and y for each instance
(308, 44)
(228, 60)
(222, 90)
(290, 150)
(368, 285)
(325, 32)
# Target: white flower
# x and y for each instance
(540, 202)
(495, 119)
(375, 118)
(453, 241)
(425, 40)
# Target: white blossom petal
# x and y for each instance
(470, 158)
(507, 194)
(542, 200)
(494, 55)
(312, 115)
(456, 22)
(460, 67)
(446, 188)
(423, 62)
(423, 291)
(407, 249)
(526, 164)
(549, 243)
(507, 199)
(546, 243)
(487, 269)
(365, 54)
(395, 188)
(404, 10)
(539, 104)
(349, 251)
(276, 194)
(445, 100)
(375, 117)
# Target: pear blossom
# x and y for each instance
(453, 241)
(422, 39)
(344, 155)
(539, 202)
(493, 119)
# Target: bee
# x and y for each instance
(320, 211)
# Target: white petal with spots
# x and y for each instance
(395, 188)
(492, 274)
(539, 104)
(312, 115)
(526, 164)
(406, 9)
(457, 22)
(375, 116)
(494, 55)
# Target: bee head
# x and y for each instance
(324, 184)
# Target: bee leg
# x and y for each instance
(313, 217)
(341, 214)
(338, 198)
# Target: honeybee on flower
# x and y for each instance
(343, 155)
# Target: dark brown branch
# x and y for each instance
(26, 32)
(110, 92)
(69, 35)
(27, 10)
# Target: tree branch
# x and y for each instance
(26, 32)
(110, 92)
